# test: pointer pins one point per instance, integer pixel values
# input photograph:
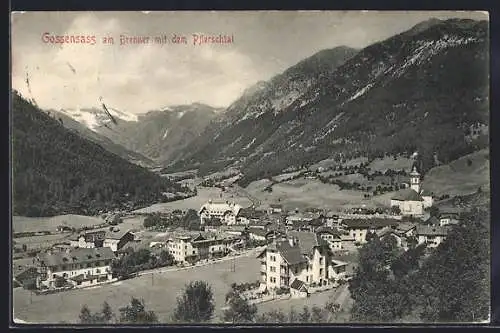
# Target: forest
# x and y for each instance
(56, 171)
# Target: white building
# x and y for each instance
(302, 258)
(190, 249)
(432, 236)
(224, 210)
(412, 200)
(79, 267)
(116, 240)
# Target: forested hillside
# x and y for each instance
(424, 90)
(450, 284)
(56, 171)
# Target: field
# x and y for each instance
(29, 224)
(382, 164)
(159, 292)
(204, 194)
(339, 295)
(460, 176)
(305, 193)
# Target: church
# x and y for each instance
(412, 200)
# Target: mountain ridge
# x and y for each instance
(419, 90)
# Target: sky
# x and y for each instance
(138, 78)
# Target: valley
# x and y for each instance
(346, 186)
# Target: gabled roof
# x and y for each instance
(405, 227)
(80, 255)
(327, 230)
(432, 221)
(297, 284)
(307, 241)
(280, 206)
(407, 194)
(292, 254)
(424, 230)
(116, 234)
(317, 222)
(369, 223)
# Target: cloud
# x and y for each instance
(134, 78)
(140, 78)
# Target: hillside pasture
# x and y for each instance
(462, 176)
(304, 193)
(204, 194)
(33, 224)
(388, 162)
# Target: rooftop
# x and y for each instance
(80, 255)
(407, 194)
(423, 230)
(369, 223)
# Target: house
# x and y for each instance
(413, 200)
(116, 239)
(89, 240)
(257, 234)
(63, 228)
(302, 256)
(190, 249)
(358, 228)
(79, 267)
(338, 269)
(401, 233)
(275, 209)
(224, 210)
(331, 236)
(300, 217)
(432, 221)
(332, 219)
(298, 289)
(432, 236)
(449, 216)
(263, 224)
(247, 215)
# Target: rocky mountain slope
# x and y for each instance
(425, 90)
(56, 171)
(159, 135)
(89, 132)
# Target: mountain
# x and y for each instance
(423, 90)
(56, 171)
(162, 135)
(94, 118)
(83, 129)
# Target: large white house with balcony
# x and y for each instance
(79, 267)
(297, 261)
(190, 249)
(225, 211)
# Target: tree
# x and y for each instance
(453, 284)
(166, 258)
(434, 211)
(395, 210)
(240, 310)
(196, 304)
(85, 315)
(107, 313)
(136, 313)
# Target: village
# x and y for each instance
(298, 252)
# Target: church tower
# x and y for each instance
(415, 179)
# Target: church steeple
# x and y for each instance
(415, 179)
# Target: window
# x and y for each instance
(272, 279)
(272, 269)
(273, 258)
(88, 265)
(307, 278)
(321, 271)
